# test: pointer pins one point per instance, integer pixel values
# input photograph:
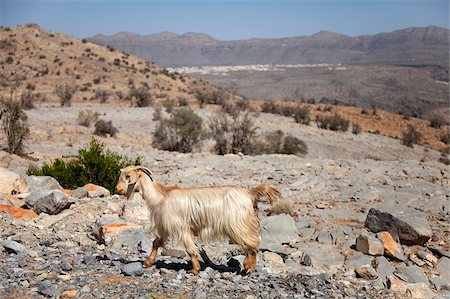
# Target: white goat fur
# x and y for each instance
(211, 213)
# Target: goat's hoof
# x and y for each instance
(248, 271)
(148, 263)
(194, 272)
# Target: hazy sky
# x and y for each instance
(226, 20)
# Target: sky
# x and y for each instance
(225, 20)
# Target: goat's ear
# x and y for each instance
(147, 171)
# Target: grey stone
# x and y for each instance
(13, 247)
(419, 290)
(48, 289)
(439, 283)
(80, 192)
(132, 269)
(369, 245)
(410, 224)
(48, 201)
(411, 274)
(324, 237)
(443, 267)
(35, 183)
(279, 229)
(323, 256)
(366, 272)
(357, 260)
(384, 269)
(102, 220)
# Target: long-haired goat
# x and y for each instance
(211, 213)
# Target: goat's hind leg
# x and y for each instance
(191, 249)
(150, 261)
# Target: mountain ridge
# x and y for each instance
(409, 46)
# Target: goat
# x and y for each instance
(211, 213)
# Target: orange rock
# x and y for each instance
(391, 248)
(18, 212)
(69, 294)
(67, 192)
(91, 187)
(114, 228)
(13, 200)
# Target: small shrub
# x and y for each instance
(356, 128)
(104, 128)
(243, 132)
(183, 102)
(411, 136)
(65, 94)
(437, 121)
(15, 126)
(445, 138)
(220, 127)
(86, 117)
(292, 145)
(102, 94)
(142, 95)
(333, 122)
(27, 99)
(301, 115)
(9, 59)
(270, 107)
(92, 165)
(157, 114)
(182, 132)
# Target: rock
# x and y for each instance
(391, 248)
(10, 200)
(411, 225)
(324, 237)
(33, 183)
(18, 213)
(411, 274)
(102, 220)
(439, 283)
(7, 179)
(366, 272)
(443, 268)
(118, 235)
(46, 288)
(13, 247)
(322, 256)
(357, 259)
(132, 269)
(396, 285)
(384, 269)
(279, 229)
(91, 191)
(369, 245)
(419, 290)
(427, 256)
(72, 293)
(274, 262)
(48, 201)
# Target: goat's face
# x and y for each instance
(129, 179)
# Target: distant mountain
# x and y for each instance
(411, 46)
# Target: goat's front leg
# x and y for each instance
(150, 261)
(250, 262)
(195, 264)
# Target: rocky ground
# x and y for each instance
(372, 219)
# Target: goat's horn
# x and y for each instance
(147, 171)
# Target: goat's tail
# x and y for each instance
(264, 190)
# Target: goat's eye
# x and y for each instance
(127, 177)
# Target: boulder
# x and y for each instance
(279, 229)
(33, 183)
(91, 191)
(18, 213)
(411, 274)
(443, 267)
(7, 179)
(369, 245)
(410, 224)
(48, 201)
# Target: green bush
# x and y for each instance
(15, 126)
(182, 132)
(93, 165)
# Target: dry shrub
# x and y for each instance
(15, 126)
(334, 122)
(104, 128)
(65, 94)
(411, 136)
(86, 117)
(181, 132)
(27, 99)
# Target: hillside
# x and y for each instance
(411, 46)
(39, 60)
